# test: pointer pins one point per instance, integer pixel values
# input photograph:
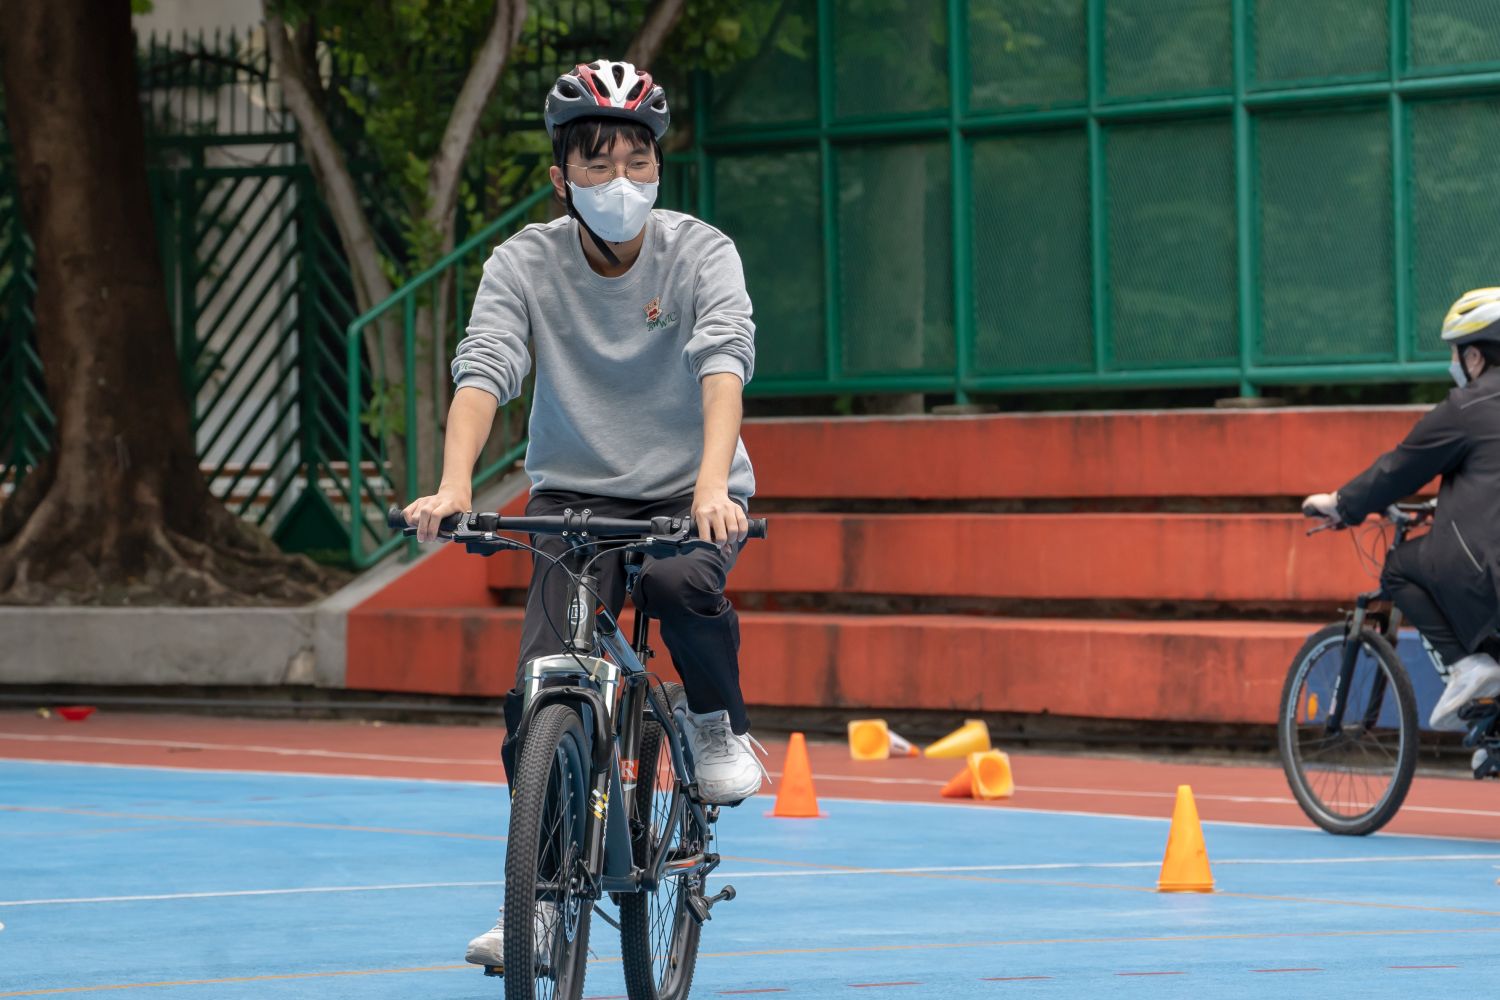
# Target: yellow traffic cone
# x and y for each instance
(1185, 866)
(985, 775)
(971, 737)
(872, 739)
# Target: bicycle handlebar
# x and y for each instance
(571, 523)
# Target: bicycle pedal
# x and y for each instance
(1479, 708)
(698, 906)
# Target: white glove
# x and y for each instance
(1323, 505)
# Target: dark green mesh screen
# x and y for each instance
(769, 206)
(1172, 244)
(895, 258)
(1455, 213)
(1296, 39)
(890, 56)
(1325, 256)
(1027, 52)
(779, 83)
(1032, 285)
(1166, 46)
(1454, 32)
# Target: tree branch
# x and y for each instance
(447, 166)
(370, 284)
(648, 41)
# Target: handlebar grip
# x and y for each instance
(757, 527)
(396, 521)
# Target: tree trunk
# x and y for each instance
(648, 41)
(119, 511)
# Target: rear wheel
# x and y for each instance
(658, 933)
(1354, 780)
(542, 898)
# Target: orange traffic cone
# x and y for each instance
(971, 737)
(1185, 866)
(872, 739)
(795, 799)
(985, 775)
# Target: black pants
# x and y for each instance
(684, 593)
(1405, 581)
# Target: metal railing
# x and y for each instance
(377, 440)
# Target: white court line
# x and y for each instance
(952, 804)
(243, 892)
(788, 873)
(249, 748)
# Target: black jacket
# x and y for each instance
(1460, 563)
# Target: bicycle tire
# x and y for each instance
(660, 948)
(1298, 711)
(547, 823)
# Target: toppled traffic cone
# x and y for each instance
(985, 775)
(1185, 866)
(795, 798)
(971, 737)
(872, 739)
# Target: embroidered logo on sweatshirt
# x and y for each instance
(655, 318)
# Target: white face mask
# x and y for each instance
(1461, 376)
(617, 211)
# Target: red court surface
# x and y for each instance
(1254, 793)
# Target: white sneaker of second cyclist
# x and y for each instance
(723, 761)
(488, 949)
(1476, 676)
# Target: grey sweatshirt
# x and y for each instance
(617, 409)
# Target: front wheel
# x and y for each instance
(658, 932)
(546, 913)
(1350, 780)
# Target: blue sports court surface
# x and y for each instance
(175, 883)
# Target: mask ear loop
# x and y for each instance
(609, 254)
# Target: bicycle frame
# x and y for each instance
(612, 696)
(1355, 624)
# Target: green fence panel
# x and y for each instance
(779, 194)
(1027, 53)
(1166, 46)
(1454, 33)
(890, 57)
(1033, 297)
(1456, 236)
(1326, 267)
(896, 265)
(1172, 244)
(778, 83)
(1298, 40)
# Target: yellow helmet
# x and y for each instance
(1474, 317)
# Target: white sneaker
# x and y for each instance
(724, 763)
(488, 949)
(1476, 676)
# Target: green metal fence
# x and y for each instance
(979, 196)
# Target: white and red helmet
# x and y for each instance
(605, 89)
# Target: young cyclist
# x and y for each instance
(641, 330)
(1447, 582)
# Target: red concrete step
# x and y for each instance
(1229, 672)
(1176, 453)
(1197, 557)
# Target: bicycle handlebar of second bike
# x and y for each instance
(570, 523)
(1396, 513)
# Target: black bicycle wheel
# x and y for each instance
(658, 933)
(1350, 782)
(547, 822)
